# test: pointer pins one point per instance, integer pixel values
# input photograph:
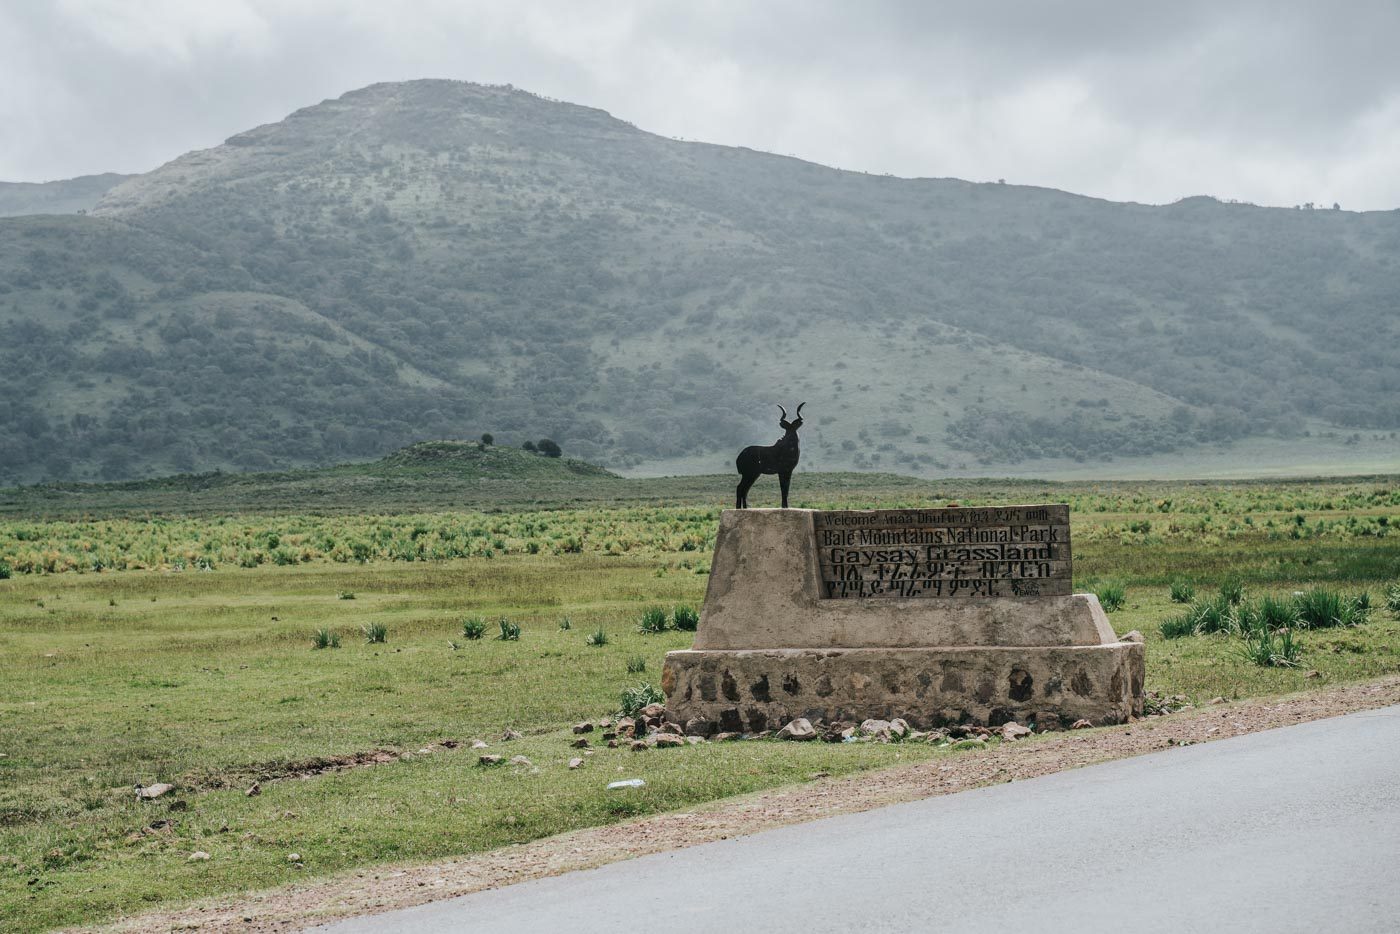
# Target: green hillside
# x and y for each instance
(437, 475)
(439, 259)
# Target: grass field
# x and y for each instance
(208, 678)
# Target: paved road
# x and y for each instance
(1295, 829)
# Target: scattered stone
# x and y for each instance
(575, 763)
(449, 744)
(696, 740)
(509, 735)
(610, 735)
(726, 737)
(652, 711)
(150, 792)
(479, 744)
(627, 783)
(936, 736)
(1216, 700)
(975, 742)
(639, 745)
(799, 729)
(1014, 731)
(674, 728)
(612, 744)
(198, 856)
(425, 751)
(697, 726)
(880, 728)
(668, 740)
(520, 760)
(579, 743)
(626, 726)
(289, 815)
(1313, 675)
(490, 760)
(293, 857)
(899, 728)
(583, 728)
(1133, 636)
(1081, 725)
(604, 724)
(833, 733)
(254, 791)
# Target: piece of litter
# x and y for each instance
(627, 783)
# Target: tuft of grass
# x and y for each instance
(685, 619)
(1183, 624)
(1325, 608)
(325, 639)
(1215, 615)
(473, 627)
(640, 695)
(597, 638)
(347, 595)
(566, 624)
(510, 632)
(5, 571)
(1269, 649)
(636, 665)
(1182, 592)
(1232, 591)
(654, 620)
(375, 632)
(1392, 597)
(1275, 613)
(1111, 596)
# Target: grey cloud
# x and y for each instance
(1260, 101)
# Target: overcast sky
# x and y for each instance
(1276, 103)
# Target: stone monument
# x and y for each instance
(940, 616)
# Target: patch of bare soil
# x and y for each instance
(372, 890)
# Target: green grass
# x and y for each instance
(1111, 596)
(655, 620)
(325, 638)
(207, 678)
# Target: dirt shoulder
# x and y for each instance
(368, 891)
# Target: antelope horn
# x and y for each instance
(799, 409)
(781, 409)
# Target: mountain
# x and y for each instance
(68, 196)
(439, 259)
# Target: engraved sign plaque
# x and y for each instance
(968, 552)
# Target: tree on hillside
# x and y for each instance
(488, 439)
(548, 448)
(528, 446)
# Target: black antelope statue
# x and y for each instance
(780, 458)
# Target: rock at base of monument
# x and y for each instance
(1052, 687)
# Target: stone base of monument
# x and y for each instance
(774, 643)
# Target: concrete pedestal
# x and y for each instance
(770, 649)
